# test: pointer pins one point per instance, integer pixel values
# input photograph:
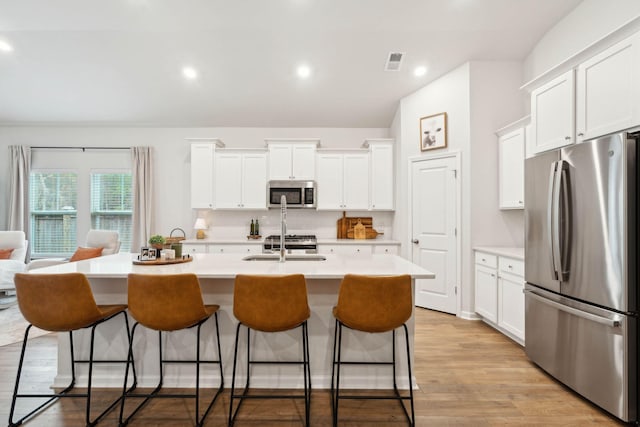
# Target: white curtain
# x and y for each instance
(142, 177)
(19, 169)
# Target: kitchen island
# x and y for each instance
(108, 278)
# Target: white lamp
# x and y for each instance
(200, 225)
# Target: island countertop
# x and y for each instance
(227, 266)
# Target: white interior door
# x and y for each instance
(434, 199)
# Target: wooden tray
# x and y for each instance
(186, 258)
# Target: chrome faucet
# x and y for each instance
(283, 226)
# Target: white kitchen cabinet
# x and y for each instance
(194, 248)
(292, 160)
(499, 297)
(608, 89)
(202, 176)
(343, 180)
(240, 179)
(381, 176)
(511, 148)
(486, 298)
(553, 113)
(234, 249)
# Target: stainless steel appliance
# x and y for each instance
(292, 243)
(581, 256)
(298, 194)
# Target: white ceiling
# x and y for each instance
(118, 62)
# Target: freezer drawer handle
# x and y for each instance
(594, 318)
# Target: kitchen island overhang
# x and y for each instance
(216, 272)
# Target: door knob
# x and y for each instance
(415, 241)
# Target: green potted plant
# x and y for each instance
(157, 241)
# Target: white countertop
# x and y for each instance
(226, 266)
(517, 253)
(260, 241)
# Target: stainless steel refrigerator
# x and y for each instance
(581, 256)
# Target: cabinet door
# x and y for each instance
(354, 250)
(202, 176)
(254, 181)
(280, 161)
(303, 164)
(194, 248)
(228, 173)
(487, 293)
(385, 249)
(381, 173)
(553, 113)
(235, 249)
(329, 182)
(608, 90)
(356, 181)
(511, 169)
(511, 304)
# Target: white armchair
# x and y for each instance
(14, 264)
(108, 240)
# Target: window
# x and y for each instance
(53, 200)
(112, 205)
(73, 191)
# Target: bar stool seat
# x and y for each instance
(372, 304)
(270, 304)
(166, 303)
(63, 303)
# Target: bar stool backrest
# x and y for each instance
(56, 302)
(271, 303)
(374, 303)
(165, 302)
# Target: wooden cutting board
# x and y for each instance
(346, 224)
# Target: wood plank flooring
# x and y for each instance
(468, 375)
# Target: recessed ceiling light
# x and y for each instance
(5, 47)
(420, 71)
(190, 73)
(303, 71)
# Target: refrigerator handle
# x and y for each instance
(551, 210)
(612, 323)
(557, 209)
(563, 231)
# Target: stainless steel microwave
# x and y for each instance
(298, 194)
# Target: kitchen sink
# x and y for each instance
(292, 257)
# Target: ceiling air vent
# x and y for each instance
(393, 61)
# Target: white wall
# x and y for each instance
(587, 23)
(172, 171)
(495, 102)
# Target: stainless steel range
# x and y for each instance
(293, 243)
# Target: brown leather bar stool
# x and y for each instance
(374, 305)
(167, 303)
(271, 304)
(62, 303)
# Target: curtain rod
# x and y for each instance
(80, 148)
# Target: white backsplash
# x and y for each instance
(235, 224)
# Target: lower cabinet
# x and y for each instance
(203, 248)
(499, 297)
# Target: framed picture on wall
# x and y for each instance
(433, 132)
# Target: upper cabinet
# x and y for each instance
(292, 159)
(343, 180)
(553, 114)
(608, 89)
(381, 176)
(240, 179)
(202, 184)
(511, 148)
(597, 96)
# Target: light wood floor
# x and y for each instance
(468, 374)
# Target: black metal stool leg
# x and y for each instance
(412, 420)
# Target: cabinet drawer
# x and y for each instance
(486, 259)
(511, 266)
(385, 249)
(235, 249)
(194, 249)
